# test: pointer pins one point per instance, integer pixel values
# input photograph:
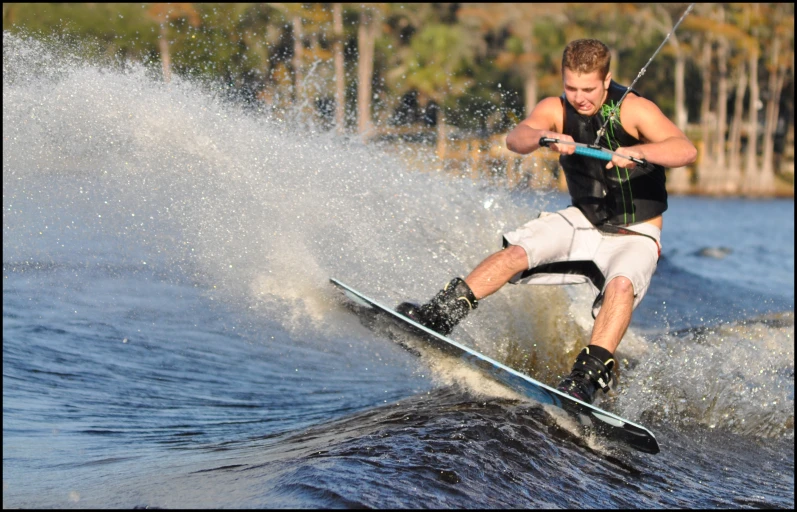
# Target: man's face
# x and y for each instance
(585, 92)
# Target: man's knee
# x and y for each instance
(620, 285)
(515, 258)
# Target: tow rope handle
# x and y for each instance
(592, 151)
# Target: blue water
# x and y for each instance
(754, 272)
(170, 338)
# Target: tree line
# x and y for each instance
(726, 76)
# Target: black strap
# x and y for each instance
(586, 268)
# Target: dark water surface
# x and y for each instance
(170, 338)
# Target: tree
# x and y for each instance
(751, 162)
(298, 56)
(723, 49)
(435, 66)
(702, 28)
(294, 13)
(522, 52)
(781, 51)
(714, 175)
(735, 135)
(370, 19)
(660, 18)
(256, 36)
(663, 21)
(119, 30)
(164, 14)
(337, 52)
(752, 21)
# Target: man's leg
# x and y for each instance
(459, 297)
(594, 365)
(496, 270)
(615, 314)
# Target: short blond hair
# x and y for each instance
(585, 56)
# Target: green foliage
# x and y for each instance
(514, 45)
(437, 63)
(122, 29)
(453, 60)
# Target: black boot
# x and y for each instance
(591, 372)
(445, 310)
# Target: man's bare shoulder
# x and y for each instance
(637, 106)
(546, 115)
(644, 120)
(551, 103)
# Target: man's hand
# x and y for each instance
(625, 163)
(564, 149)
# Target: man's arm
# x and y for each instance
(662, 142)
(542, 122)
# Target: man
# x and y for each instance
(609, 236)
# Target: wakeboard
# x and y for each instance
(602, 422)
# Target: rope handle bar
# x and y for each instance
(592, 151)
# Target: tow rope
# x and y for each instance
(616, 108)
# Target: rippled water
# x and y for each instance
(170, 338)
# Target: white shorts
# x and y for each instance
(565, 248)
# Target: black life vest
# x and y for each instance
(610, 196)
